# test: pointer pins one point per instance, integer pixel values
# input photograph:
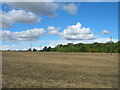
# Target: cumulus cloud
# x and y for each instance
(40, 8)
(45, 8)
(52, 30)
(28, 35)
(17, 16)
(105, 32)
(76, 32)
(70, 8)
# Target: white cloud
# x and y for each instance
(105, 32)
(76, 32)
(52, 30)
(17, 16)
(41, 8)
(70, 8)
(28, 35)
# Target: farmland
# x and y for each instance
(59, 70)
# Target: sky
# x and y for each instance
(50, 23)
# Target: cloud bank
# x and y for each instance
(71, 33)
(28, 35)
(28, 12)
(40, 8)
(17, 16)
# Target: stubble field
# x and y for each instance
(59, 70)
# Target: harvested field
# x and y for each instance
(59, 70)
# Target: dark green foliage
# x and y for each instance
(45, 48)
(29, 49)
(95, 47)
(49, 48)
(34, 49)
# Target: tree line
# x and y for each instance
(80, 47)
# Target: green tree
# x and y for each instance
(29, 49)
(49, 48)
(34, 49)
(45, 48)
(82, 49)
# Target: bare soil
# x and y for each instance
(59, 70)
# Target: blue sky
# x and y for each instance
(97, 16)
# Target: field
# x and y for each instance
(59, 70)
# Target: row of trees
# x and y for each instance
(44, 49)
(80, 47)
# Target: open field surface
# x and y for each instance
(59, 70)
